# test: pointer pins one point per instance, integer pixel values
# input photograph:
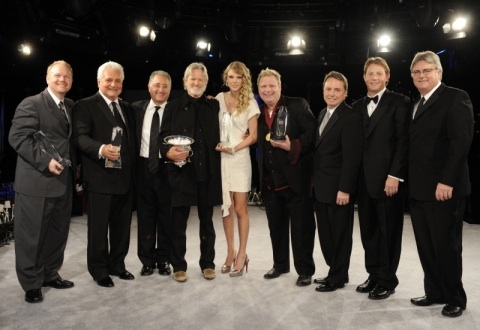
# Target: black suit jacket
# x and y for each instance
(300, 126)
(440, 137)
(338, 154)
(139, 109)
(179, 119)
(93, 125)
(385, 146)
(40, 113)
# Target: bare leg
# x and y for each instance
(241, 209)
(228, 227)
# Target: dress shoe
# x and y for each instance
(379, 293)
(425, 301)
(146, 271)
(321, 280)
(366, 286)
(164, 268)
(304, 280)
(125, 275)
(59, 283)
(106, 282)
(209, 273)
(452, 311)
(180, 276)
(273, 273)
(34, 296)
(329, 287)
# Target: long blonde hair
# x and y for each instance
(246, 92)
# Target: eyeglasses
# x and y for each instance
(425, 72)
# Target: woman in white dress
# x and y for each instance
(238, 124)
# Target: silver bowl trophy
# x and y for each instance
(280, 128)
(183, 142)
(47, 147)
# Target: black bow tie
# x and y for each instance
(374, 99)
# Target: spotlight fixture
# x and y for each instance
(296, 45)
(383, 43)
(456, 29)
(144, 31)
(203, 45)
(25, 49)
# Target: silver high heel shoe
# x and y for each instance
(227, 268)
(239, 272)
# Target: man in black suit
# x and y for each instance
(198, 181)
(285, 171)
(337, 161)
(43, 186)
(153, 194)
(441, 133)
(109, 187)
(382, 190)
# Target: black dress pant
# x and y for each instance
(109, 220)
(153, 214)
(289, 211)
(438, 230)
(381, 228)
(335, 226)
(180, 217)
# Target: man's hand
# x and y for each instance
(283, 144)
(342, 198)
(391, 186)
(110, 152)
(177, 154)
(443, 192)
(55, 167)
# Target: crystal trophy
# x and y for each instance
(116, 144)
(48, 148)
(280, 128)
(225, 129)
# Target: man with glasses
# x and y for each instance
(441, 132)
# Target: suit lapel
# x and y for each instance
(55, 111)
(431, 100)
(379, 112)
(331, 122)
(105, 109)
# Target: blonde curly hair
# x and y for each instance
(246, 92)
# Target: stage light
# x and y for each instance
(456, 29)
(203, 45)
(459, 24)
(25, 49)
(296, 45)
(144, 31)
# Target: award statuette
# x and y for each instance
(48, 148)
(117, 133)
(280, 128)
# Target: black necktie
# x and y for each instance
(153, 152)
(374, 99)
(419, 106)
(118, 117)
(62, 109)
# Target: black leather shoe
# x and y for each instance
(304, 280)
(164, 268)
(125, 275)
(273, 273)
(146, 271)
(106, 282)
(34, 296)
(379, 293)
(366, 286)
(425, 301)
(321, 280)
(452, 311)
(59, 283)
(328, 287)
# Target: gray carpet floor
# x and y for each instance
(247, 302)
